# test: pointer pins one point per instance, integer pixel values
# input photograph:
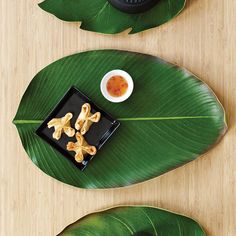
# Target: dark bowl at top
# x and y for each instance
(133, 6)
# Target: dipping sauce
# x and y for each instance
(117, 86)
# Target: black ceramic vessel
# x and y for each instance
(133, 6)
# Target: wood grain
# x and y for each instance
(202, 39)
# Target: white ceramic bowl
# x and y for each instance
(126, 76)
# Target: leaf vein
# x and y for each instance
(129, 119)
(123, 223)
(154, 228)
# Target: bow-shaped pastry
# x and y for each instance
(86, 119)
(81, 148)
(62, 125)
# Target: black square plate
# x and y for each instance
(97, 135)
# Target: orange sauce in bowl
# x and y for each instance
(117, 86)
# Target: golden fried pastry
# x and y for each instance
(62, 125)
(81, 148)
(86, 119)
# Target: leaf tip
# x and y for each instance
(42, 5)
(14, 121)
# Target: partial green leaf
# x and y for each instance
(101, 16)
(134, 220)
(171, 118)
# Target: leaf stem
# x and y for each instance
(128, 119)
(27, 121)
(164, 118)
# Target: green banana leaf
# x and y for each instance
(101, 16)
(171, 118)
(135, 221)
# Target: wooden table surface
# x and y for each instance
(202, 39)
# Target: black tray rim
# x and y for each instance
(74, 90)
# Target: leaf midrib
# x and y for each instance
(129, 119)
